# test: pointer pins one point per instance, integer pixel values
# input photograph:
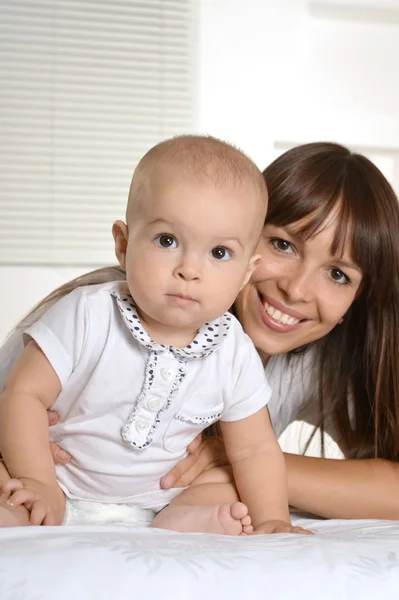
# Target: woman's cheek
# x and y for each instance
(333, 309)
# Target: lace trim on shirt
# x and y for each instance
(148, 381)
(208, 339)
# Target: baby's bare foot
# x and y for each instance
(225, 519)
(234, 519)
(11, 516)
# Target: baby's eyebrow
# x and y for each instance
(228, 241)
(159, 220)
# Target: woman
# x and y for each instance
(330, 251)
(323, 312)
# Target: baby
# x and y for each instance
(137, 369)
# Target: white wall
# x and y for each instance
(23, 287)
(277, 72)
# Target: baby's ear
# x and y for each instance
(253, 263)
(120, 233)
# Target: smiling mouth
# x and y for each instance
(279, 316)
(276, 317)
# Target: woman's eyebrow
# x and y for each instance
(293, 233)
(339, 261)
(297, 235)
(346, 264)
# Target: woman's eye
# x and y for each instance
(281, 245)
(221, 253)
(166, 241)
(339, 277)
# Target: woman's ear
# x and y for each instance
(253, 263)
(120, 233)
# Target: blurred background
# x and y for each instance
(87, 86)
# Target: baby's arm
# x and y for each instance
(259, 471)
(30, 389)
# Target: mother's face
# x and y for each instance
(300, 292)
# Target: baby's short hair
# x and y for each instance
(204, 158)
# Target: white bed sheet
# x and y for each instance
(345, 560)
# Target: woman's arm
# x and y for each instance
(344, 489)
(340, 489)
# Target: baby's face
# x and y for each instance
(190, 248)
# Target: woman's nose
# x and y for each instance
(297, 284)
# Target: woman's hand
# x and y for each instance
(279, 527)
(203, 455)
(59, 455)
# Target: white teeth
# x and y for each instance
(277, 315)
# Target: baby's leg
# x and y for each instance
(11, 516)
(210, 505)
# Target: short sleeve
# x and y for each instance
(60, 333)
(249, 390)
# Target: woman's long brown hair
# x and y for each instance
(103, 275)
(357, 363)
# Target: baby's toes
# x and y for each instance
(247, 529)
(246, 520)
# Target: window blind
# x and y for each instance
(86, 88)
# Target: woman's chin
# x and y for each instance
(267, 347)
(278, 340)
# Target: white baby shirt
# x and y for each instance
(129, 406)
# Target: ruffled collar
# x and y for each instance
(208, 338)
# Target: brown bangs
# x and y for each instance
(312, 185)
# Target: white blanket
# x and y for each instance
(345, 560)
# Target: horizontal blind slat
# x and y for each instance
(86, 87)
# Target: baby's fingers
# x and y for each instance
(38, 513)
(10, 486)
(51, 518)
(42, 514)
(23, 496)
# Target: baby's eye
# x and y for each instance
(221, 253)
(166, 241)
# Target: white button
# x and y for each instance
(153, 403)
(167, 374)
(141, 425)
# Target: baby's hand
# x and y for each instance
(279, 527)
(45, 503)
